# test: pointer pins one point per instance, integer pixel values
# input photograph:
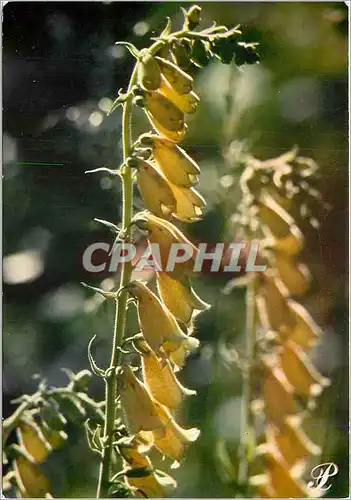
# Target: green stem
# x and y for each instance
(247, 419)
(121, 305)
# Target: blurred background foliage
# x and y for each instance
(61, 70)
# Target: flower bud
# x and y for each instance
(149, 73)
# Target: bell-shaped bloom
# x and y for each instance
(174, 163)
(150, 484)
(169, 239)
(179, 297)
(181, 82)
(185, 102)
(161, 111)
(159, 327)
(278, 395)
(272, 305)
(294, 275)
(274, 217)
(305, 332)
(137, 403)
(291, 440)
(189, 203)
(154, 189)
(32, 440)
(176, 440)
(31, 481)
(160, 379)
(300, 372)
(291, 245)
(282, 478)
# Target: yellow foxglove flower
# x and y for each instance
(152, 485)
(278, 396)
(161, 110)
(158, 325)
(176, 439)
(175, 164)
(305, 332)
(291, 245)
(154, 190)
(29, 477)
(295, 276)
(300, 371)
(132, 455)
(185, 102)
(32, 440)
(137, 403)
(189, 203)
(179, 297)
(292, 441)
(276, 219)
(282, 480)
(272, 305)
(149, 72)
(165, 234)
(176, 77)
(171, 135)
(160, 379)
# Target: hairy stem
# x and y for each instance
(247, 421)
(121, 305)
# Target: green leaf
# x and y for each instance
(107, 295)
(98, 371)
(132, 49)
(89, 434)
(103, 169)
(112, 227)
(167, 29)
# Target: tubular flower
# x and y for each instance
(185, 102)
(160, 379)
(189, 203)
(179, 297)
(158, 325)
(175, 441)
(292, 442)
(300, 371)
(181, 82)
(152, 484)
(139, 407)
(289, 381)
(154, 189)
(164, 116)
(174, 163)
(32, 440)
(165, 234)
(31, 481)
